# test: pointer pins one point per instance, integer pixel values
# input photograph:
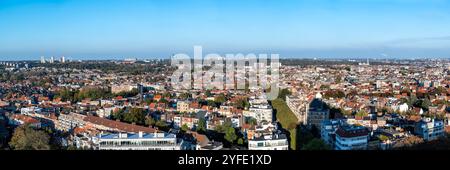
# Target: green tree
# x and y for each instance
(163, 100)
(149, 121)
(338, 79)
(242, 103)
(362, 113)
(26, 138)
(383, 138)
(135, 115)
(208, 93)
(161, 124)
(316, 144)
(304, 136)
(230, 135)
(224, 127)
(201, 125)
(184, 128)
(426, 103)
(283, 93)
(252, 121)
(240, 141)
(185, 96)
(220, 98)
(211, 103)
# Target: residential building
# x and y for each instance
(351, 138)
(183, 106)
(318, 111)
(139, 141)
(67, 122)
(262, 113)
(276, 141)
(430, 129)
(328, 131)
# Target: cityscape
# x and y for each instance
(292, 75)
(130, 104)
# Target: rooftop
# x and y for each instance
(136, 136)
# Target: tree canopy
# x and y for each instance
(27, 138)
(230, 135)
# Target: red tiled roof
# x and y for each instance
(118, 125)
(25, 119)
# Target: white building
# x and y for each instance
(268, 137)
(42, 60)
(298, 105)
(117, 88)
(269, 142)
(67, 122)
(139, 141)
(430, 129)
(328, 130)
(351, 138)
(30, 110)
(177, 120)
(403, 108)
(261, 113)
(105, 112)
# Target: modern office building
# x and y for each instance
(275, 141)
(138, 141)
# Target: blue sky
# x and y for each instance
(158, 28)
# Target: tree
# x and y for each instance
(304, 136)
(224, 127)
(338, 79)
(426, 103)
(184, 128)
(251, 121)
(163, 100)
(230, 135)
(240, 141)
(185, 96)
(242, 103)
(135, 115)
(362, 113)
(201, 125)
(208, 93)
(118, 115)
(26, 138)
(283, 93)
(211, 103)
(316, 144)
(161, 124)
(383, 138)
(408, 142)
(346, 112)
(149, 121)
(220, 98)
